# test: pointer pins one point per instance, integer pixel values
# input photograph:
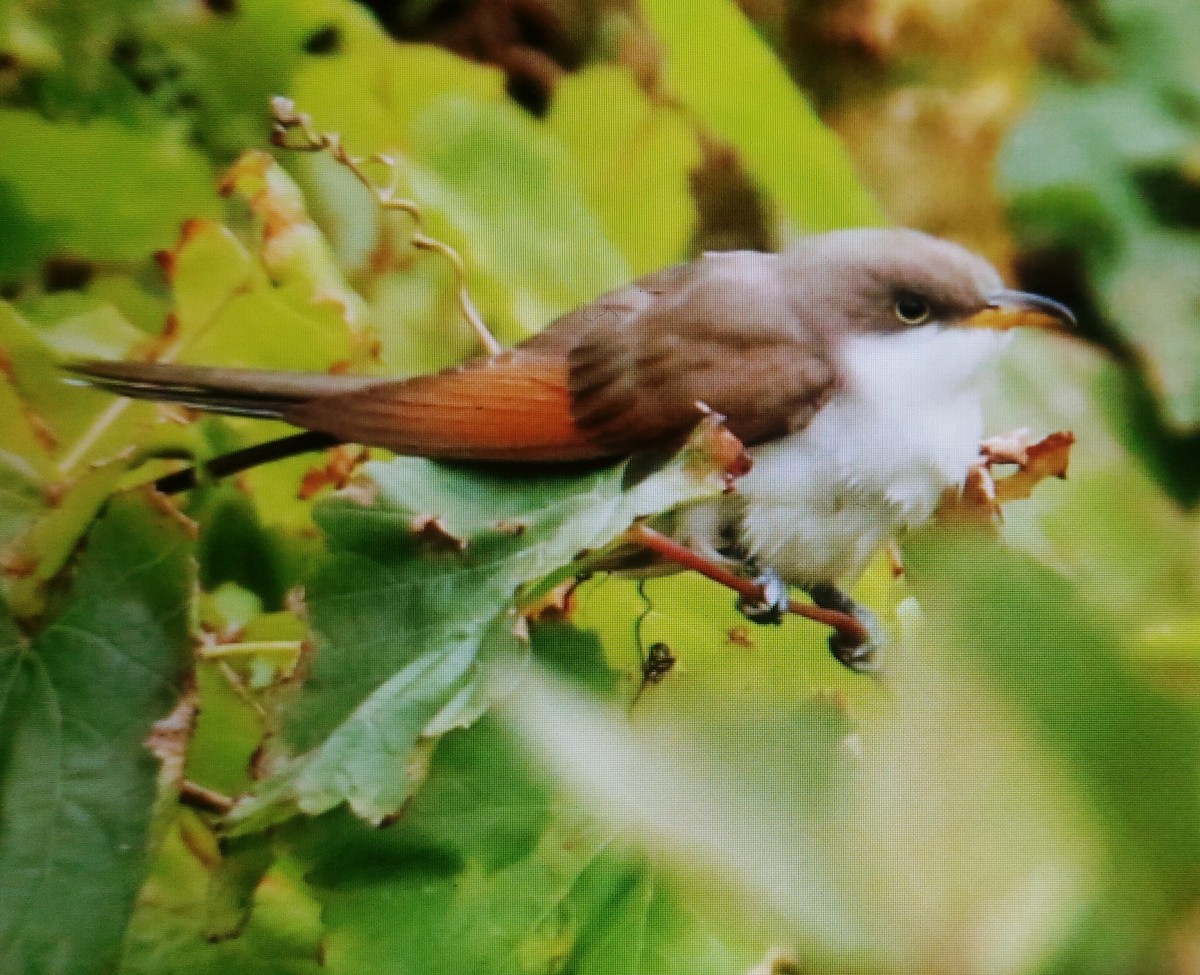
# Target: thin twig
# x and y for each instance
(748, 589)
(91, 435)
(288, 120)
(203, 798)
(236, 681)
(251, 648)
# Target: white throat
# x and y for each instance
(922, 366)
(905, 426)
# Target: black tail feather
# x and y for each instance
(240, 460)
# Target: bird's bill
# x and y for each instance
(1020, 309)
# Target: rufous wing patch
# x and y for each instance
(516, 407)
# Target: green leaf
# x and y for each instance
(49, 540)
(234, 61)
(229, 728)
(282, 935)
(129, 193)
(67, 414)
(227, 310)
(19, 433)
(235, 547)
(139, 299)
(99, 333)
(21, 497)
(407, 79)
(413, 623)
(230, 313)
(1156, 282)
(53, 429)
(490, 871)
(740, 796)
(368, 760)
(741, 90)
(425, 106)
(1128, 749)
(78, 783)
(1122, 196)
(67, 434)
(513, 197)
(635, 158)
(875, 838)
(1125, 545)
(244, 863)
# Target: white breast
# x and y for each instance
(905, 426)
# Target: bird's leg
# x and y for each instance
(772, 602)
(857, 654)
(857, 647)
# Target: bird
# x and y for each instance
(853, 367)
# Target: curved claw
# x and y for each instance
(772, 608)
(866, 657)
(861, 658)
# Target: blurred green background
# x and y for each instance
(419, 785)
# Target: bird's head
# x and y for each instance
(885, 281)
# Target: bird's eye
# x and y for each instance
(911, 309)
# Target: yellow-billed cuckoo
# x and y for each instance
(850, 366)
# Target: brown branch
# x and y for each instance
(748, 589)
(203, 798)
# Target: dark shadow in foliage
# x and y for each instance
(235, 546)
(530, 40)
(574, 655)
(1173, 197)
(1132, 410)
(24, 243)
(354, 854)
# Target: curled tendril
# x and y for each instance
(294, 130)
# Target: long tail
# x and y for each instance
(513, 408)
(238, 392)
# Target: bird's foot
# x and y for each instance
(865, 657)
(862, 656)
(772, 606)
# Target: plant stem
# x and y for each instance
(748, 589)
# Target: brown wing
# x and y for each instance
(722, 331)
(625, 373)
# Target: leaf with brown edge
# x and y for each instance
(556, 604)
(979, 499)
(169, 736)
(82, 695)
(1006, 448)
(1049, 457)
(290, 245)
(433, 532)
(713, 449)
(340, 465)
(413, 636)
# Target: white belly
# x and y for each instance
(876, 459)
